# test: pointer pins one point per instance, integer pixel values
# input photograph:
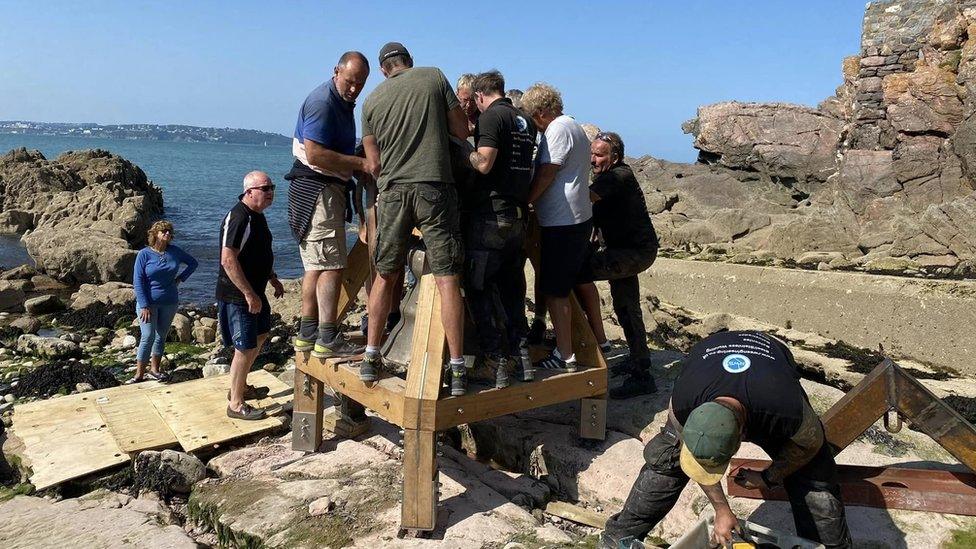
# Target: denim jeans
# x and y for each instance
(153, 333)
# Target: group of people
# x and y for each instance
(467, 167)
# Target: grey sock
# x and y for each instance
(307, 327)
(328, 331)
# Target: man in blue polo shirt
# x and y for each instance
(324, 147)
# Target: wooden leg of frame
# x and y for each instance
(420, 482)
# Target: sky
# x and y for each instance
(637, 68)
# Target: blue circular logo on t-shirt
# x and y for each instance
(736, 364)
(521, 123)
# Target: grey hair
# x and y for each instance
(349, 56)
(464, 81)
(253, 177)
(516, 96)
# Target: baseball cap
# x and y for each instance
(391, 49)
(710, 438)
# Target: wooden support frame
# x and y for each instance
(415, 404)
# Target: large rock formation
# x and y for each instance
(886, 168)
(82, 213)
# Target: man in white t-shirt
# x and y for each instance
(561, 196)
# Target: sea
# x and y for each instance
(200, 183)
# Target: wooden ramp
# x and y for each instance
(76, 435)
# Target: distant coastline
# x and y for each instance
(145, 132)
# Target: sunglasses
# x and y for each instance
(264, 189)
(166, 231)
(605, 137)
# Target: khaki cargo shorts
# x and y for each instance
(324, 248)
(432, 208)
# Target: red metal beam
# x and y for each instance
(884, 487)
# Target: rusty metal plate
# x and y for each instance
(884, 488)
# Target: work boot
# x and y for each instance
(537, 332)
(340, 346)
(369, 368)
(635, 384)
(606, 542)
(494, 370)
(459, 379)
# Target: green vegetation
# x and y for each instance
(185, 348)
(962, 539)
(22, 489)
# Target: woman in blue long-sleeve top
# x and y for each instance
(155, 279)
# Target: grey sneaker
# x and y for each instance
(340, 346)
(369, 368)
(246, 412)
(494, 370)
(459, 379)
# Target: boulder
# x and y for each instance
(27, 324)
(167, 472)
(923, 101)
(208, 322)
(43, 304)
(47, 347)
(11, 299)
(16, 221)
(109, 293)
(17, 284)
(19, 272)
(182, 328)
(45, 283)
(211, 370)
(204, 335)
(68, 253)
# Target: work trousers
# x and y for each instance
(494, 280)
(620, 268)
(814, 495)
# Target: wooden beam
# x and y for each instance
(418, 511)
(353, 278)
(491, 403)
(576, 514)
(427, 360)
(385, 397)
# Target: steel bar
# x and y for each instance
(931, 490)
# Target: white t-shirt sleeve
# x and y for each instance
(559, 143)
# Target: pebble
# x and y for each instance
(129, 342)
(270, 367)
(130, 369)
(4, 314)
(28, 364)
(84, 387)
(275, 339)
(102, 331)
(9, 398)
(320, 506)
(171, 356)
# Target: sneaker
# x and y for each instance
(253, 393)
(555, 362)
(459, 380)
(634, 385)
(494, 370)
(537, 333)
(340, 346)
(303, 345)
(606, 347)
(135, 380)
(369, 368)
(247, 412)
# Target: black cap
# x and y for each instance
(392, 49)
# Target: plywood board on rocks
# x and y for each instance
(65, 438)
(133, 420)
(196, 411)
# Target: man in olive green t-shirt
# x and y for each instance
(407, 124)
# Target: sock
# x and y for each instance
(328, 331)
(306, 328)
(372, 350)
(457, 363)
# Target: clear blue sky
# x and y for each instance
(638, 68)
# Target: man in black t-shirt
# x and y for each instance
(246, 268)
(737, 386)
(629, 247)
(495, 209)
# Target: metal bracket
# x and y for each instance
(301, 433)
(593, 418)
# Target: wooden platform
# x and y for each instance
(75, 435)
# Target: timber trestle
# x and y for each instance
(417, 404)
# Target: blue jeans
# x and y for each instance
(153, 333)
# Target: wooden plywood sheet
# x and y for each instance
(65, 438)
(133, 420)
(196, 411)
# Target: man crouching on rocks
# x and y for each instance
(246, 267)
(737, 386)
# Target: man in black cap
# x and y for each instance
(737, 386)
(407, 123)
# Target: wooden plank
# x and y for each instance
(427, 360)
(196, 411)
(133, 420)
(419, 508)
(491, 403)
(576, 514)
(65, 438)
(385, 397)
(353, 278)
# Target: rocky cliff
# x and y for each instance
(879, 176)
(81, 214)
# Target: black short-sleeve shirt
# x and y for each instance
(504, 127)
(247, 231)
(755, 369)
(621, 213)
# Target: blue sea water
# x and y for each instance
(200, 182)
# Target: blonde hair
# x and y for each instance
(154, 230)
(541, 97)
(464, 81)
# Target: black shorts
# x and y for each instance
(563, 250)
